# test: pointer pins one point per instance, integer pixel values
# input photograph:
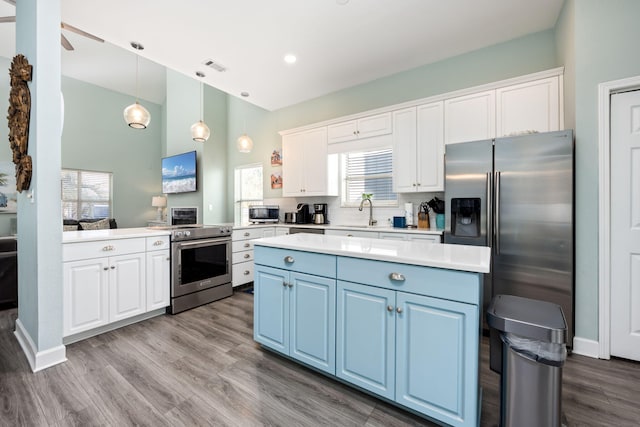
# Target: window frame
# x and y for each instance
(344, 202)
(79, 200)
(240, 208)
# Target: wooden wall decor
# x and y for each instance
(19, 115)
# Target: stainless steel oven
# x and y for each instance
(200, 266)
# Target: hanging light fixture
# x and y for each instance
(199, 130)
(244, 143)
(135, 114)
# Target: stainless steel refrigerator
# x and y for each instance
(515, 195)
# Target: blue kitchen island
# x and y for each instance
(398, 319)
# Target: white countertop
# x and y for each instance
(109, 234)
(452, 257)
(375, 228)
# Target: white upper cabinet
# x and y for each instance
(418, 149)
(526, 107)
(308, 169)
(365, 127)
(470, 117)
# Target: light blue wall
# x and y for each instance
(183, 110)
(214, 156)
(606, 48)
(96, 137)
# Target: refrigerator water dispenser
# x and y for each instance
(465, 217)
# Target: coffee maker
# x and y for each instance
(320, 213)
(303, 216)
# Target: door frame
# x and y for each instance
(605, 90)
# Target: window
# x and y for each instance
(248, 190)
(85, 194)
(368, 172)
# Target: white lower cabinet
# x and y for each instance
(86, 295)
(99, 290)
(242, 252)
(103, 290)
(127, 287)
(158, 275)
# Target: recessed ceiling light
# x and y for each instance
(342, 2)
(244, 94)
(290, 58)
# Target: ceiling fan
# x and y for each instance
(63, 40)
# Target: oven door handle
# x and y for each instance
(201, 242)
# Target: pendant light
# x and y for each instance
(244, 143)
(135, 114)
(199, 130)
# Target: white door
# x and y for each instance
(625, 225)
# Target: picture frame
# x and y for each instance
(276, 180)
(8, 189)
(276, 157)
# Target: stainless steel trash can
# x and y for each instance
(528, 349)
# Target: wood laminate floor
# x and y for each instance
(202, 367)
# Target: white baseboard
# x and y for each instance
(38, 360)
(586, 347)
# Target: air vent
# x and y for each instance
(211, 63)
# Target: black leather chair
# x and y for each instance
(8, 273)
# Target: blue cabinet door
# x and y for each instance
(437, 358)
(271, 308)
(365, 337)
(313, 325)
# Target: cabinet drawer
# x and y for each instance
(435, 282)
(95, 249)
(352, 233)
(242, 273)
(157, 243)
(242, 245)
(248, 233)
(243, 256)
(304, 262)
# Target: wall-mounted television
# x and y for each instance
(179, 173)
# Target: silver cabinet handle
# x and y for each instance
(399, 310)
(289, 259)
(105, 268)
(247, 234)
(389, 308)
(108, 248)
(397, 277)
(290, 285)
(349, 235)
(113, 267)
(247, 272)
(284, 284)
(158, 243)
(246, 245)
(247, 256)
(168, 258)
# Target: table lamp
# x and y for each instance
(159, 202)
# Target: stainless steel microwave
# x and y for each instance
(264, 213)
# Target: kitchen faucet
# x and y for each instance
(371, 220)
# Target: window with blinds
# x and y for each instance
(247, 189)
(86, 194)
(368, 172)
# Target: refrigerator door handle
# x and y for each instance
(497, 215)
(489, 203)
